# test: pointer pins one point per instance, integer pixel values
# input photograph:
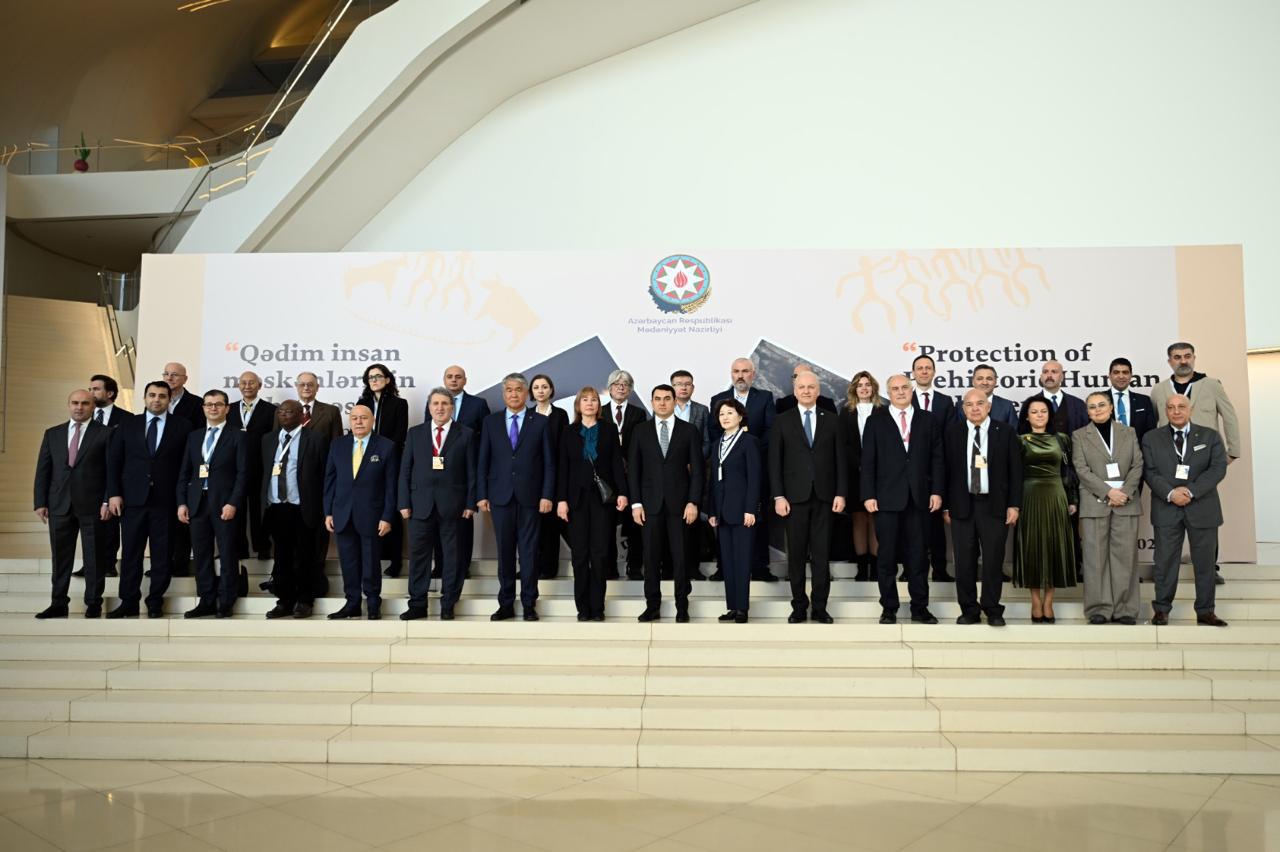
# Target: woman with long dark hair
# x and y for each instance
(390, 420)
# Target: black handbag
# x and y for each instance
(604, 489)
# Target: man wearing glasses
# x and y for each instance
(626, 416)
(211, 486)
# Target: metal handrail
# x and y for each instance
(120, 346)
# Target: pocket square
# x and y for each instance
(374, 458)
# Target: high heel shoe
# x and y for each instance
(1037, 619)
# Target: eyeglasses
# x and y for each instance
(214, 405)
(377, 377)
(173, 375)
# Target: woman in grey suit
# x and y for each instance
(1108, 463)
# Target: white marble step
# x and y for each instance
(409, 709)
(254, 677)
(485, 746)
(39, 705)
(1186, 753)
(1052, 684)
(289, 743)
(510, 679)
(1103, 716)
(171, 706)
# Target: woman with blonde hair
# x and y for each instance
(862, 399)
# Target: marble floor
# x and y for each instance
(185, 807)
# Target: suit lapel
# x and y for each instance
(450, 438)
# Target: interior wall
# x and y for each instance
(32, 271)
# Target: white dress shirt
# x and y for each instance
(983, 429)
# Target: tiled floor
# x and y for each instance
(175, 807)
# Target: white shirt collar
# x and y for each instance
(803, 409)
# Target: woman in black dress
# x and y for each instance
(589, 448)
(862, 398)
(390, 420)
(542, 392)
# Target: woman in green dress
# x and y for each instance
(1044, 554)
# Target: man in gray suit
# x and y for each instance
(1183, 464)
(1108, 463)
(695, 414)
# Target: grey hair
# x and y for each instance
(621, 376)
(514, 377)
(440, 392)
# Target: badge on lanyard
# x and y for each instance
(1182, 471)
(1113, 470)
(980, 461)
(276, 469)
(204, 471)
(437, 462)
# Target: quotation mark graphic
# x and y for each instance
(232, 346)
(910, 346)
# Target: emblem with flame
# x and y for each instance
(680, 283)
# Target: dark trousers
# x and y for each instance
(208, 529)
(966, 533)
(139, 526)
(901, 534)
(516, 528)
(466, 540)
(635, 544)
(321, 555)
(735, 561)
(1168, 556)
(179, 548)
(664, 534)
(808, 529)
(425, 535)
(64, 530)
(590, 528)
(937, 530)
(295, 570)
(553, 529)
(252, 536)
(108, 545)
(361, 568)
(392, 544)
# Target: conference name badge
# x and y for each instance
(1113, 470)
(276, 469)
(204, 471)
(980, 461)
(437, 463)
(1198, 447)
(1182, 471)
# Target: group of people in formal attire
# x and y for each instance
(216, 479)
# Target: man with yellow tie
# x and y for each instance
(359, 499)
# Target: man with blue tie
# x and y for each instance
(515, 480)
(211, 486)
(292, 488)
(142, 481)
(359, 499)
(469, 411)
(1131, 408)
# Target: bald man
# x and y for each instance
(788, 402)
(255, 417)
(71, 497)
(1069, 413)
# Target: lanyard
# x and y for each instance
(727, 444)
(1108, 444)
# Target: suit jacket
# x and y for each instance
(848, 422)
(632, 416)
(575, 483)
(1141, 412)
(391, 417)
(557, 422)
(736, 491)
(137, 476)
(761, 412)
(261, 420)
(1090, 457)
(1004, 469)
(79, 490)
(891, 473)
(699, 414)
(312, 452)
(1070, 416)
(190, 407)
(1208, 403)
(941, 406)
(1001, 409)
(672, 481)
(1207, 459)
(424, 489)
(370, 496)
(118, 416)
(326, 420)
(469, 411)
(788, 402)
(526, 474)
(800, 472)
(228, 471)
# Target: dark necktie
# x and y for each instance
(926, 400)
(514, 432)
(975, 475)
(73, 449)
(1179, 445)
(152, 431)
(282, 480)
(617, 416)
(306, 414)
(97, 417)
(1053, 400)
(808, 428)
(208, 450)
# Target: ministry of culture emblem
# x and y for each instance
(680, 283)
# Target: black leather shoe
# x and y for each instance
(823, 618)
(280, 611)
(682, 618)
(155, 611)
(224, 612)
(1208, 619)
(529, 614)
(302, 610)
(202, 610)
(1125, 619)
(1097, 619)
(942, 577)
(124, 611)
(968, 619)
(348, 611)
(649, 615)
(924, 617)
(374, 615)
(888, 618)
(79, 572)
(446, 615)
(413, 613)
(1217, 579)
(717, 577)
(503, 613)
(582, 616)
(995, 620)
(598, 617)
(740, 617)
(1160, 619)
(265, 585)
(112, 572)
(392, 571)
(797, 617)
(59, 611)
(93, 611)
(632, 575)
(728, 616)
(764, 576)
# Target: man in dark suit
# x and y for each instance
(664, 477)
(788, 402)
(808, 474)
(359, 499)
(701, 539)
(142, 481)
(1131, 408)
(903, 475)
(983, 498)
(325, 422)
(255, 418)
(292, 488)
(105, 390)
(211, 486)
(926, 397)
(761, 411)
(1183, 464)
(187, 406)
(70, 496)
(626, 416)
(469, 411)
(985, 379)
(1068, 411)
(515, 481)
(437, 497)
